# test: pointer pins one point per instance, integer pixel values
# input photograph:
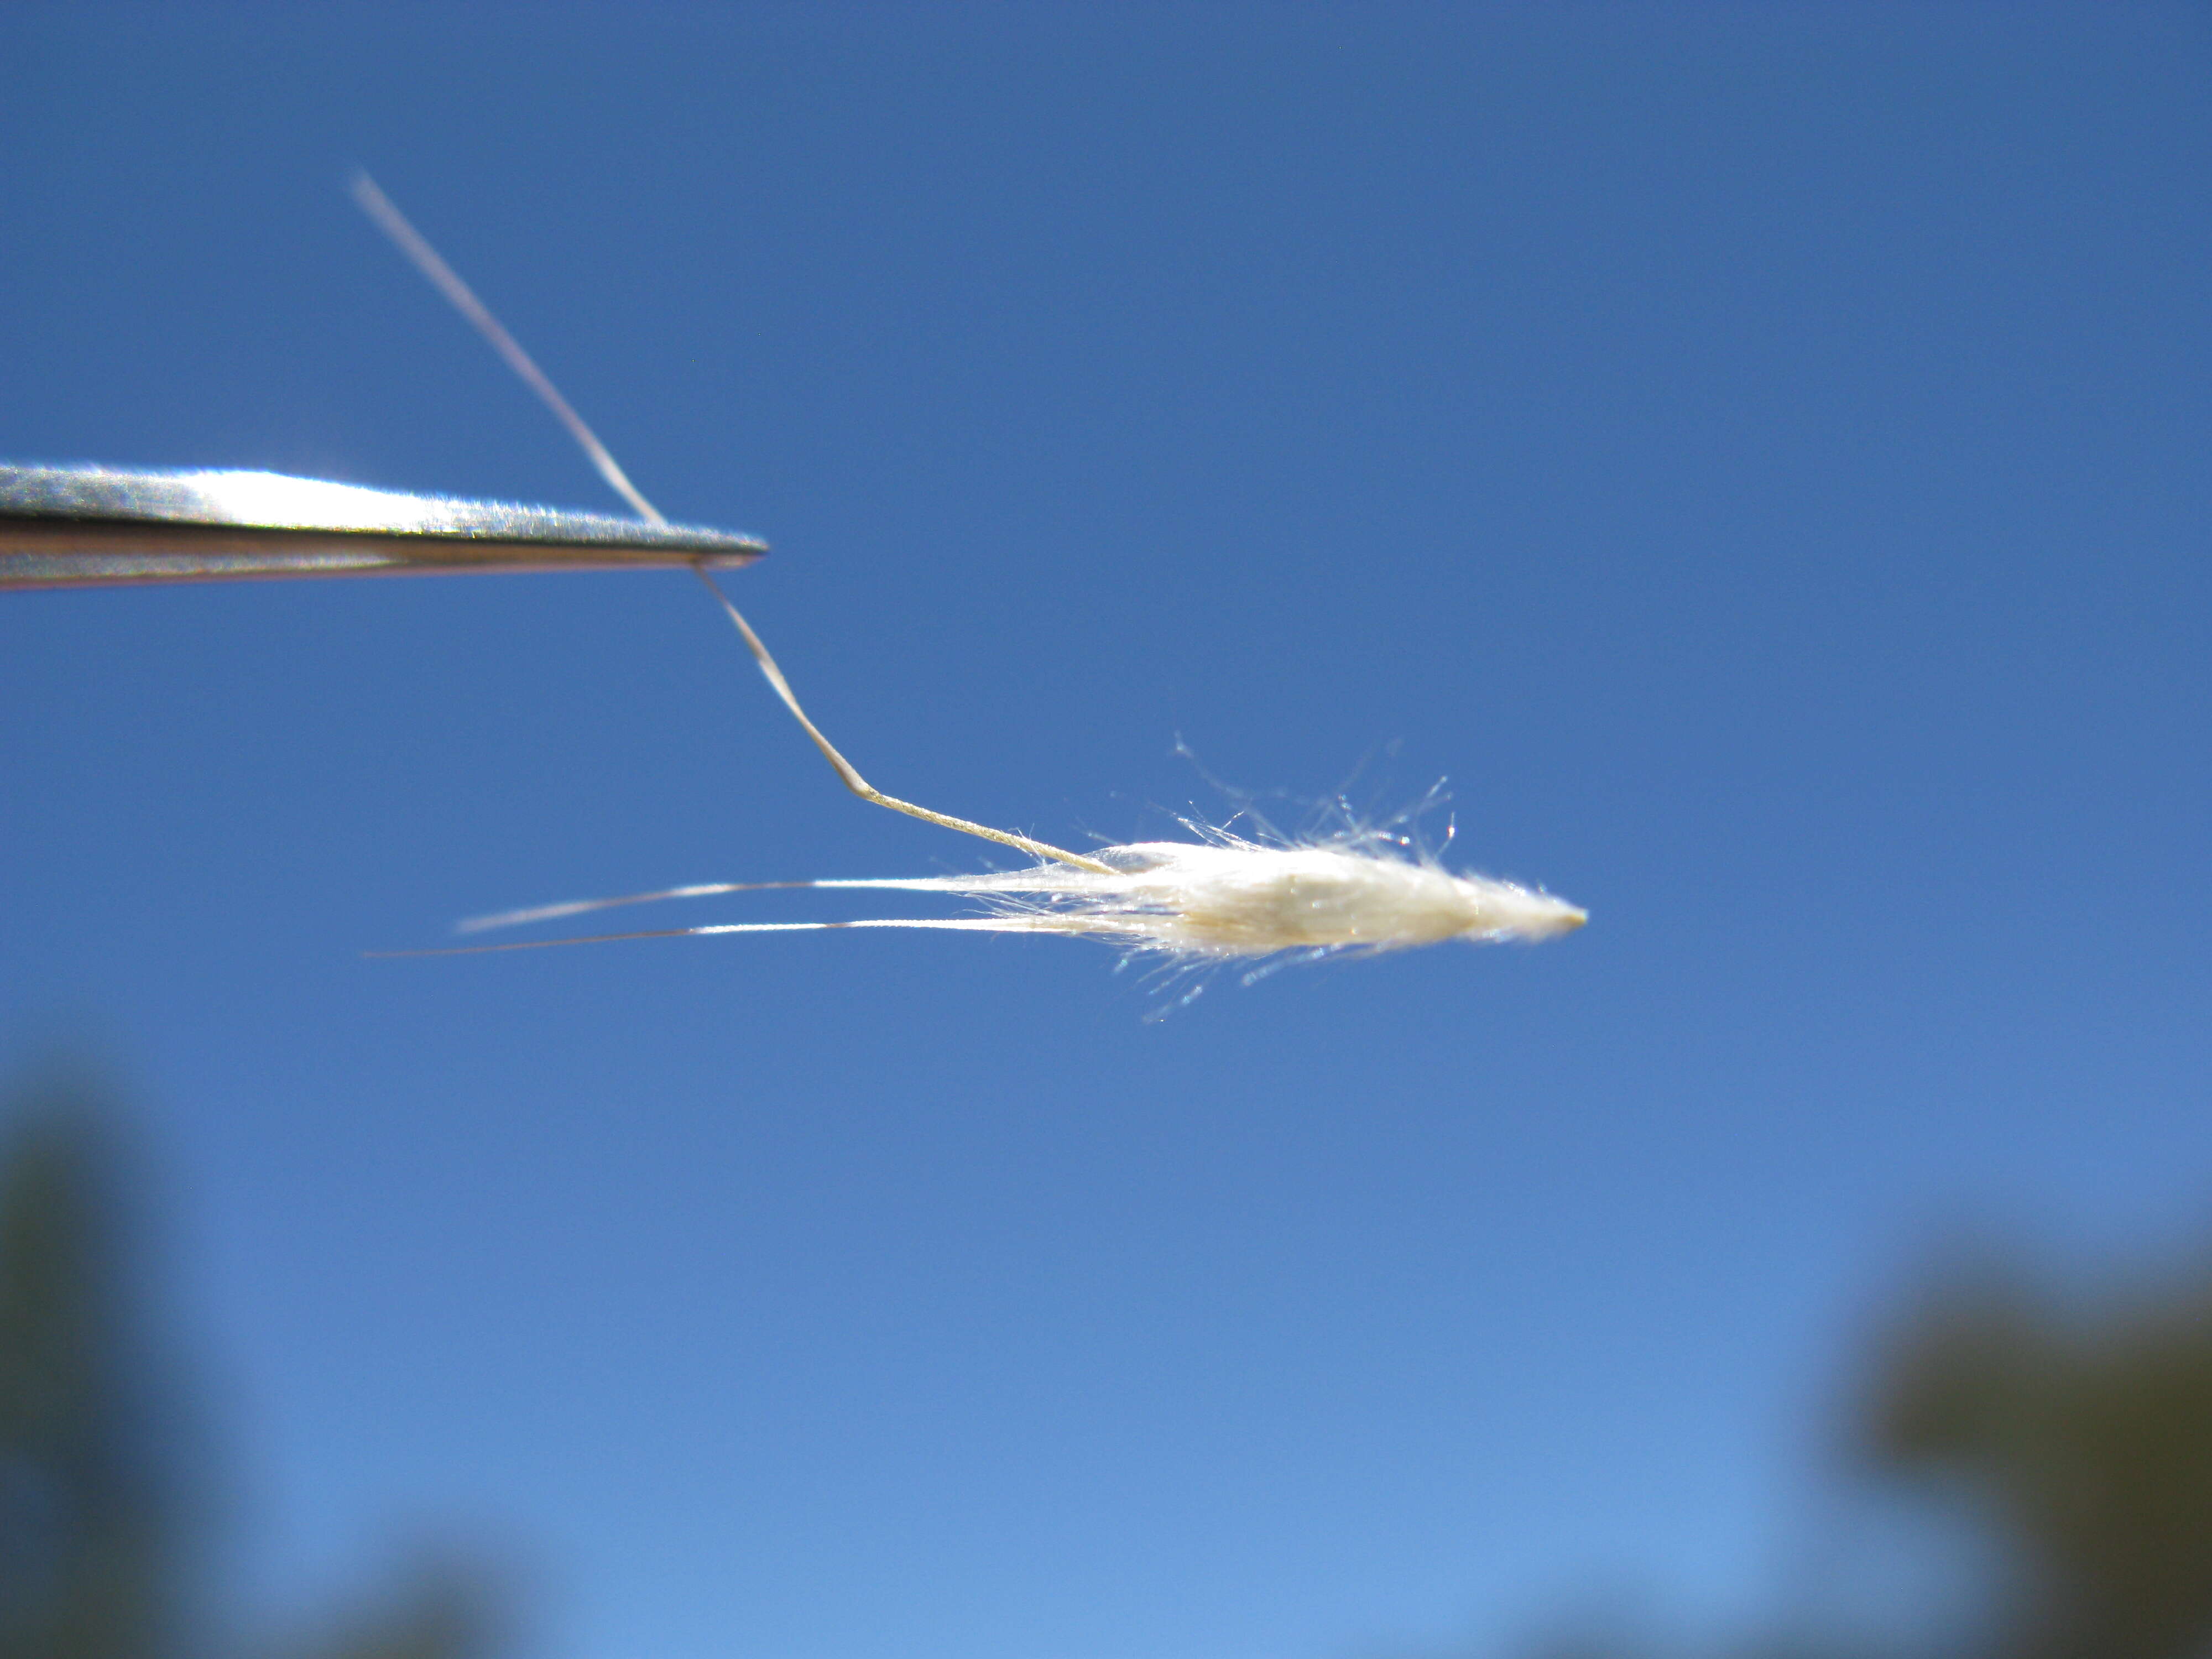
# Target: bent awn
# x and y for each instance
(1219, 899)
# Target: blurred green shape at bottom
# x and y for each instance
(102, 1523)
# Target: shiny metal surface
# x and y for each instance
(79, 526)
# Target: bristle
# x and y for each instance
(1194, 903)
(1218, 898)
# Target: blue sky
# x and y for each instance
(1757, 454)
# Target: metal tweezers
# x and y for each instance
(104, 526)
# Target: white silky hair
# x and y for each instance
(1190, 905)
(1219, 899)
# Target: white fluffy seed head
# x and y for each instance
(1196, 903)
(1232, 898)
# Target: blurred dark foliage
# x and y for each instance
(2076, 1441)
(2068, 1440)
(103, 1524)
(2084, 1442)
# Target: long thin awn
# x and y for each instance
(1220, 899)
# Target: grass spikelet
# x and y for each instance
(1189, 906)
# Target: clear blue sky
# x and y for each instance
(1759, 454)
